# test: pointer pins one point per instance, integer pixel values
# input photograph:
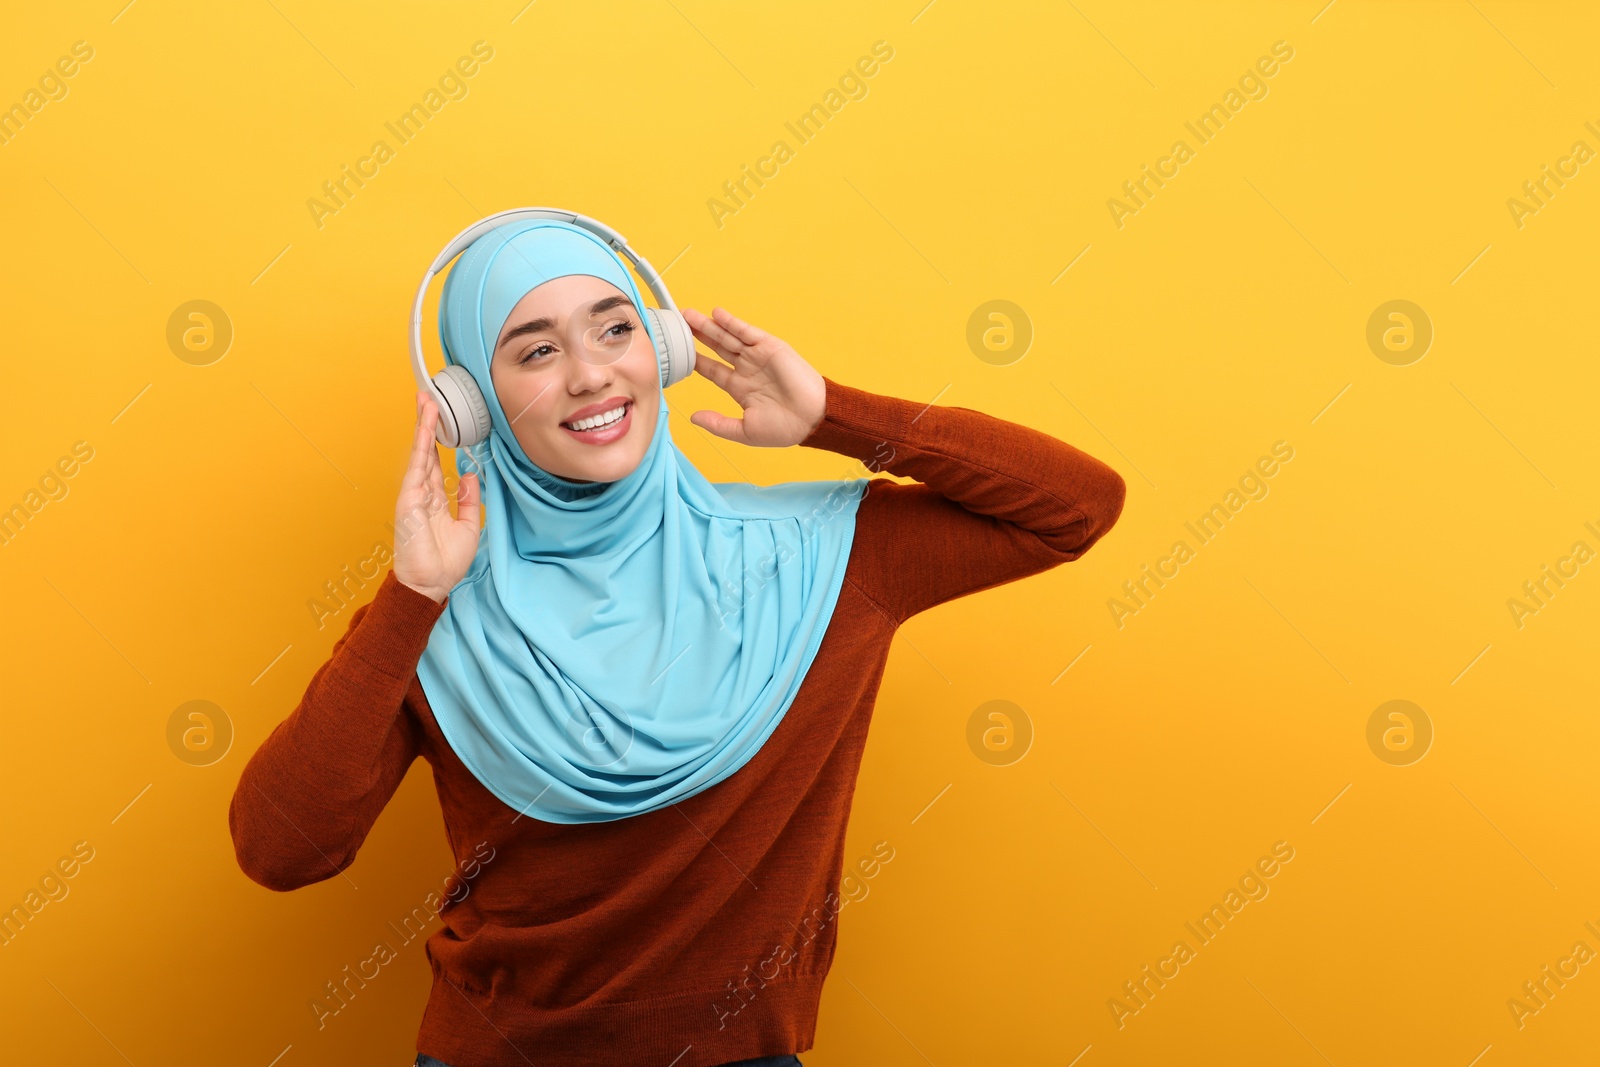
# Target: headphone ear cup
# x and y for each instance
(464, 417)
(675, 349)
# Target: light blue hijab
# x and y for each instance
(619, 646)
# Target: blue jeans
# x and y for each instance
(791, 1060)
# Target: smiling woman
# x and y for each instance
(648, 692)
(571, 368)
(595, 595)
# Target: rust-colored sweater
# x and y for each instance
(701, 933)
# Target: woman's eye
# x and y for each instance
(624, 326)
(537, 350)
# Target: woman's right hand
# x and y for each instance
(432, 550)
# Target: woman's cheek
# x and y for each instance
(533, 403)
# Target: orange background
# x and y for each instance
(1229, 312)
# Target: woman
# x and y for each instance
(644, 697)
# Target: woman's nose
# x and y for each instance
(592, 367)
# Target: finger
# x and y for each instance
(719, 373)
(468, 501)
(419, 486)
(431, 461)
(422, 442)
(726, 344)
(437, 496)
(729, 429)
(746, 333)
(471, 462)
(697, 320)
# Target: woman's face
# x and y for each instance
(571, 350)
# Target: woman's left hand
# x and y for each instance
(782, 395)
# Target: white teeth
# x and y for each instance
(605, 419)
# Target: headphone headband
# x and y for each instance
(463, 240)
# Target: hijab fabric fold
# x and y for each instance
(616, 647)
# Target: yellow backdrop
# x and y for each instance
(1312, 278)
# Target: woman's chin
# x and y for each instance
(606, 455)
(599, 469)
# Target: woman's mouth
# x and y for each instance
(605, 427)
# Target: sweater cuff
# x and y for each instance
(395, 630)
(861, 424)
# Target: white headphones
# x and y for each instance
(463, 413)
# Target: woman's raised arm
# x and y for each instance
(998, 500)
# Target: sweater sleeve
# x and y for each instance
(998, 501)
(308, 796)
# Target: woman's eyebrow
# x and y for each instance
(546, 323)
(531, 326)
(607, 304)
